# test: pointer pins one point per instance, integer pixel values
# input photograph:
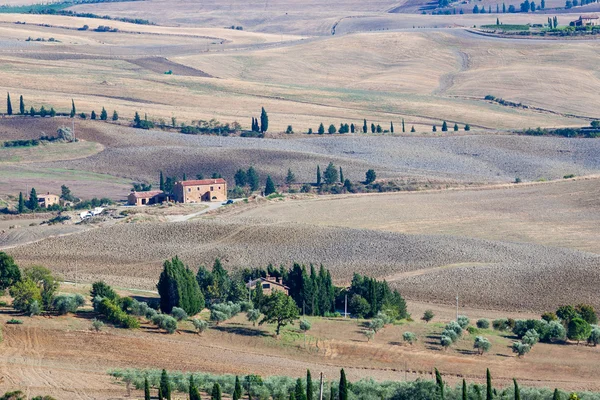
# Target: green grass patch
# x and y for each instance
(34, 8)
(507, 27)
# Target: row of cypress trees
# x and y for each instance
(178, 287)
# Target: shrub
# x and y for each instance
(450, 334)
(472, 330)
(67, 303)
(409, 337)
(14, 321)
(445, 341)
(166, 322)
(549, 316)
(35, 308)
(594, 338)
(556, 331)
(578, 329)
(454, 326)
(101, 289)
(24, 294)
(520, 348)
(463, 321)
(223, 311)
(427, 316)
(253, 316)
(384, 317)
(97, 325)
(375, 324)
(305, 325)
(179, 313)
(369, 333)
(531, 337)
(114, 314)
(500, 324)
(200, 325)
(483, 324)
(482, 345)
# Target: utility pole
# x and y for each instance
(346, 306)
(456, 307)
(321, 388)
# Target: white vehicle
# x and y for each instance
(92, 213)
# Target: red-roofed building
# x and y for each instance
(586, 20)
(196, 191)
(146, 198)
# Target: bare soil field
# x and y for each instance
(423, 267)
(52, 355)
(559, 214)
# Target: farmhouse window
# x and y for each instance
(266, 286)
(212, 188)
(189, 189)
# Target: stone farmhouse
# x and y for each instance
(269, 284)
(586, 20)
(146, 198)
(47, 200)
(196, 191)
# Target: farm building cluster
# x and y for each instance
(586, 20)
(189, 191)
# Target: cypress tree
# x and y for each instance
(237, 391)
(146, 389)
(8, 104)
(318, 175)
(264, 121)
(412, 129)
(93, 115)
(21, 106)
(194, 394)
(352, 128)
(343, 391)
(32, 203)
(32, 111)
(517, 390)
(440, 383)
(434, 129)
(504, 8)
(136, 119)
(444, 126)
(556, 395)
(165, 385)
(299, 392)
(365, 126)
(160, 395)
(161, 181)
(455, 127)
(489, 389)
(331, 394)
(309, 386)
(341, 175)
(216, 392)
(270, 186)
(21, 206)
(73, 109)
(391, 127)
(103, 114)
(372, 128)
(403, 129)
(464, 390)
(115, 116)
(292, 396)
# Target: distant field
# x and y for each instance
(49, 152)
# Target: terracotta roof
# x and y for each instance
(588, 17)
(261, 279)
(146, 195)
(203, 182)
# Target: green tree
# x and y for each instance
(578, 329)
(103, 114)
(193, 392)
(178, 287)
(240, 178)
(566, 313)
(489, 389)
(403, 127)
(32, 203)
(309, 386)
(444, 127)
(341, 176)
(270, 186)
(8, 104)
(46, 282)
(332, 129)
(455, 127)
(25, 293)
(137, 120)
(146, 389)
(391, 127)
(115, 116)
(412, 129)
(517, 390)
(32, 111)
(93, 115)
(434, 129)
(165, 385)
(299, 393)
(364, 126)
(21, 206)
(343, 388)
(216, 390)
(321, 129)
(556, 395)
(467, 127)
(587, 313)
(237, 391)
(9, 271)
(290, 178)
(359, 306)
(253, 179)
(161, 181)
(331, 174)
(373, 128)
(440, 383)
(370, 176)
(464, 390)
(427, 316)
(289, 129)
(21, 105)
(73, 109)
(279, 309)
(264, 121)
(318, 175)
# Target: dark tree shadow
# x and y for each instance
(241, 330)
